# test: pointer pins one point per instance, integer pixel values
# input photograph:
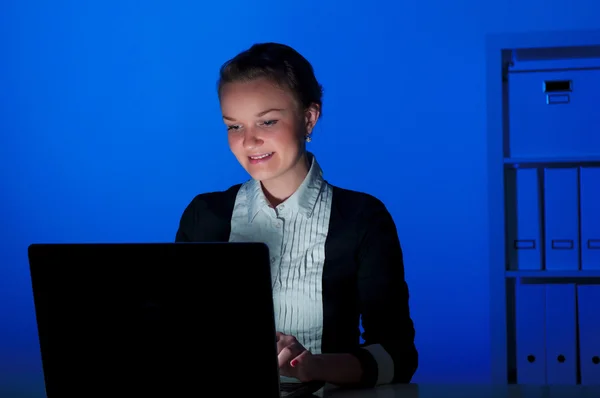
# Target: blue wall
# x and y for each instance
(109, 125)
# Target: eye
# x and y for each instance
(233, 127)
(269, 123)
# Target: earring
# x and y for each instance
(308, 139)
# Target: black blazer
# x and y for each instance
(363, 275)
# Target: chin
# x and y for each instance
(261, 175)
(261, 172)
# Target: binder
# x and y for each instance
(561, 218)
(561, 334)
(530, 333)
(590, 218)
(588, 297)
(524, 216)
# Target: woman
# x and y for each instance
(335, 253)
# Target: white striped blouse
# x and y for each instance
(295, 232)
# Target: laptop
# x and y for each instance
(152, 319)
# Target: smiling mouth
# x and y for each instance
(263, 156)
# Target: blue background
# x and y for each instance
(110, 124)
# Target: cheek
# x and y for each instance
(290, 138)
(234, 143)
(233, 138)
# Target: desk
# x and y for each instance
(418, 391)
(464, 391)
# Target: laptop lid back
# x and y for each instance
(173, 318)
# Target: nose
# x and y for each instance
(251, 139)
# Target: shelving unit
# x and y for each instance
(543, 126)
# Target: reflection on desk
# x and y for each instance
(464, 391)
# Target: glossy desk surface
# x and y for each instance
(396, 391)
(464, 391)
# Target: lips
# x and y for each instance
(260, 157)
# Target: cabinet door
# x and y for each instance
(530, 328)
(589, 333)
(561, 335)
(554, 113)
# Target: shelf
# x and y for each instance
(583, 274)
(512, 60)
(555, 58)
(553, 161)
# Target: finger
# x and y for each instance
(295, 349)
(298, 360)
(284, 340)
(285, 356)
(279, 335)
(282, 343)
(289, 352)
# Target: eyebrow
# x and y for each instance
(259, 114)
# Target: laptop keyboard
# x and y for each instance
(292, 390)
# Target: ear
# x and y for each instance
(311, 116)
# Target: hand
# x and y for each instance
(295, 360)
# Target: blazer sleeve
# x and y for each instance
(388, 354)
(207, 218)
(188, 222)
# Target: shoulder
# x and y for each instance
(217, 204)
(207, 216)
(354, 204)
(214, 200)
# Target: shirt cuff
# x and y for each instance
(377, 365)
(385, 363)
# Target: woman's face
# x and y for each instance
(266, 128)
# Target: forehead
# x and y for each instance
(254, 94)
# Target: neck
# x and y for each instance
(279, 189)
